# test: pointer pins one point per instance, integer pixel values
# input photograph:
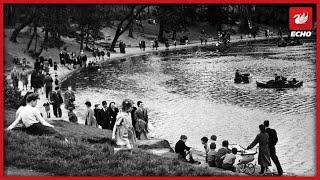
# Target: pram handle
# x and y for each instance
(244, 149)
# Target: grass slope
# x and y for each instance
(89, 154)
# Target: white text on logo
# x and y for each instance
(300, 33)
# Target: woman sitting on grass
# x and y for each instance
(31, 118)
(123, 131)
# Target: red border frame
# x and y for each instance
(317, 124)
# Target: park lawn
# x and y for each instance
(90, 153)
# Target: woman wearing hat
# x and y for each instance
(123, 131)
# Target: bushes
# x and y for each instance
(12, 97)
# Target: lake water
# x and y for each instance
(192, 92)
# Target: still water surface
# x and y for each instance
(192, 92)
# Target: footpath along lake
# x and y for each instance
(192, 92)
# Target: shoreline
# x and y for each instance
(135, 51)
(64, 73)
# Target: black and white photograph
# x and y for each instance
(159, 89)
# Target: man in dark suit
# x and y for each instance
(273, 139)
(102, 117)
(134, 120)
(141, 113)
(56, 101)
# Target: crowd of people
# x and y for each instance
(134, 119)
(225, 158)
(128, 123)
(71, 59)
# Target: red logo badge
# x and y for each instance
(300, 18)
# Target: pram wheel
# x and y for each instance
(251, 168)
(242, 168)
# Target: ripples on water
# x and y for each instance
(192, 92)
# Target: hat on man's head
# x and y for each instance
(104, 103)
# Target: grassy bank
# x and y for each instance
(90, 153)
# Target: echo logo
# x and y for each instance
(300, 18)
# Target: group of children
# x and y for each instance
(223, 158)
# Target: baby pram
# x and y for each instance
(246, 158)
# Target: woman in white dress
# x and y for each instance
(123, 131)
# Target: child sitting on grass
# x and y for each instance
(228, 160)
(204, 141)
(72, 116)
(212, 154)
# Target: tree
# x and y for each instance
(29, 14)
(90, 19)
(51, 19)
(174, 18)
(217, 15)
(126, 21)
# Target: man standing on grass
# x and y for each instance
(273, 139)
(48, 83)
(15, 77)
(24, 78)
(56, 101)
(102, 117)
(141, 117)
